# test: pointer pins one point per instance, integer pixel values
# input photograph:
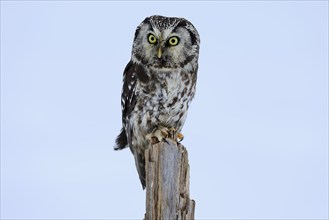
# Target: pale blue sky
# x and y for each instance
(256, 133)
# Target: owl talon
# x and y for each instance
(157, 135)
(175, 136)
(161, 133)
(180, 137)
(172, 133)
(165, 140)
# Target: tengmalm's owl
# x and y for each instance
(158, 84)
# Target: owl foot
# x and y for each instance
(180, 137)
(174, 135)
(161, 133)
(158, 135)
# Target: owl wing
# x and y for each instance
(128, 102)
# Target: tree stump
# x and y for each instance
(167, 182)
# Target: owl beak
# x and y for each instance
(159, 52)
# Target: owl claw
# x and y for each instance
(175, 136)
(180, 137)
(172, 133)
(161, 133)
(157, 135)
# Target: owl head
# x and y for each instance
(165, 42)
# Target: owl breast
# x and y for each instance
(162, 100)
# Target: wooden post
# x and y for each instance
(167, 182)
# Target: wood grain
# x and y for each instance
(167, 182)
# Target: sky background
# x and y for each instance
(256, 133)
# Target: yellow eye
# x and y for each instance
(173, 41)
(152, 39)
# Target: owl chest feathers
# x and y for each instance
(162, 99)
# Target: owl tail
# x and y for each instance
(140, 165)
(121, 141)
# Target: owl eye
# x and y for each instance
(173, 41)
(152, 39)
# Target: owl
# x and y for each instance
(158, 85)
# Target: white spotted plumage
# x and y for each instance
(159, 82)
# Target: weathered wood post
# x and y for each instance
(167, 182)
